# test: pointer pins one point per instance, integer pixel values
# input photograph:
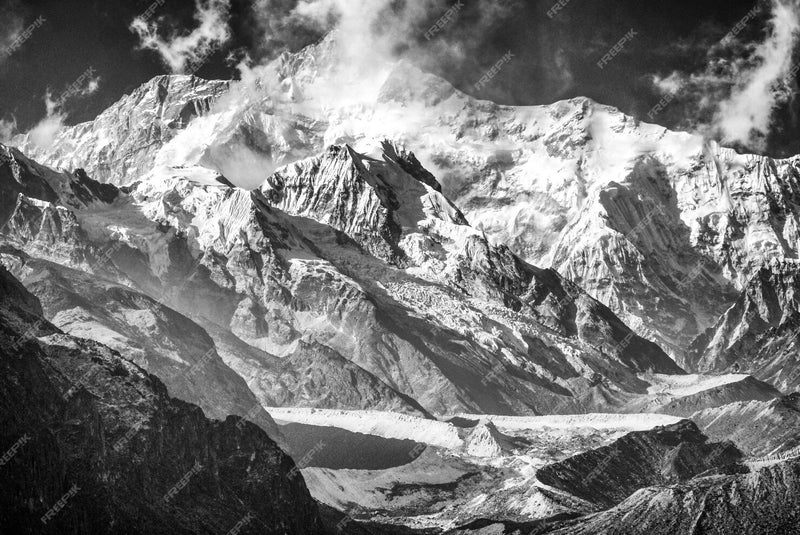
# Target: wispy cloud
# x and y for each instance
(180, 52)
(11, 28)
(735, 96)
(746, 116)
(7, 129)
(45, 132)
(367, 41)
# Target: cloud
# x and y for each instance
(186, 53)
(7, 129)
(746, 116)
(11, 27)
(263, 117)
(734, 98)
(44, 134)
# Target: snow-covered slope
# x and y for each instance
(398, 282)
(661, 226)
(283, 225)
(120, 144)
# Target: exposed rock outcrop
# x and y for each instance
(97, 446)
(759, 333)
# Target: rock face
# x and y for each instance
(756, 427)
(766, 500)
(97, 446)
(404, 220)
(485, 440)
(758, 334)
(261, 245)
(663, 456)
(149, 334)
(120, 144)
(432, 316)
(314, 375)
(657, 225)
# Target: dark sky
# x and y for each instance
(554, 58)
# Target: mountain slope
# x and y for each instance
(149, 334)
(660, 226)
(102, 435)
(756, 427)
(119, 145)
(404, 220)
(763, 501)
(663, 456)
(758, 334)
(508, 337)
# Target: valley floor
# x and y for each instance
(459, 469)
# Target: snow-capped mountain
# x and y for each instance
(120, 144)
(422, 304)
(518, 296)
(662, 227)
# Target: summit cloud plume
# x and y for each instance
(735, 97)
(182, 51)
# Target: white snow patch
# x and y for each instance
(687, 385)
(611, 422)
